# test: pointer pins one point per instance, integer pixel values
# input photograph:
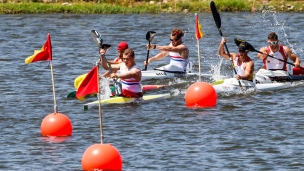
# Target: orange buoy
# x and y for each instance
(101, 156)
(201, 94)
(56, 124)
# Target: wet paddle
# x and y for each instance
(149, 36)
(217, 20)
(252, 49)
(99, 42)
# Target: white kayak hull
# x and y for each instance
(124, 100)
(231, 85)
(268, 76)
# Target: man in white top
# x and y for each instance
(243, 64)
(278, 51)
(177, 51)
(127, 71)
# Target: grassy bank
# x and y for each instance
(144, 6)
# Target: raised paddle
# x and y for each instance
(252, 49)
(149, 36)
(217, 20)
(99, 42)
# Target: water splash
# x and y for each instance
(104, 86)
(271, 20)
(216, 70)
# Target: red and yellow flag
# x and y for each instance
(89, 85)
(198, 29)
(45, 54)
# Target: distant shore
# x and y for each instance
(145, 6)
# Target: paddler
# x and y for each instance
(127, 71)
(277, 50)
(121, 47)
(176, 49)
(243, 64)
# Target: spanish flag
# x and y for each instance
(198, 29)
(45, 54)
(89, 85)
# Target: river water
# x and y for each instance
(252, 131)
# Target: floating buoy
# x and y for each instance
(102, 157)
(56, 124)
(201, 94)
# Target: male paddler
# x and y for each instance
(128, 72)
(177, 50)
(243, 64)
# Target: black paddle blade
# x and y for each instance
(216, 15)
(150, 35)
(97, 38)
(249, 47)
(238, 41)
(106, 46)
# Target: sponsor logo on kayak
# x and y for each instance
(161, 73)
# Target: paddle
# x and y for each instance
(252, 49)
(99, 42)
(217, 20)
(149, 36)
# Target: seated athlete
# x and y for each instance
(278, 51)
(128, 72)
(121, 47)
(243, 64)
(177, 50)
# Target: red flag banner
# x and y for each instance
(45, 54)
(89, 85)
(198, 29)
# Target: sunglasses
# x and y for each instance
(241, 50)
(273, 43)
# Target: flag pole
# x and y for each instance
(199, 59)
(198, 37)
(53, 84)
(99, 109)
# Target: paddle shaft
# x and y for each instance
(148, 51)
(149, 36)
(226, 47)
(218, 22)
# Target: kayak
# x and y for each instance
(269, 76)
(124, 100)
(169, 72)
(145, 88)
(157, 74)
(231, 85)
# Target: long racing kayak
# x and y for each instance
(124, 100)
(145, 88)
(157, 74)
(231, 85)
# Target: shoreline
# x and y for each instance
(132, 7)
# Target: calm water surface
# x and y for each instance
(253, 131)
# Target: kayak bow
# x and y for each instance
(145, 88)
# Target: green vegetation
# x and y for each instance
(143, 6)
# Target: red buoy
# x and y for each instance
(102, 157)
(201, 94)
(56, 124)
